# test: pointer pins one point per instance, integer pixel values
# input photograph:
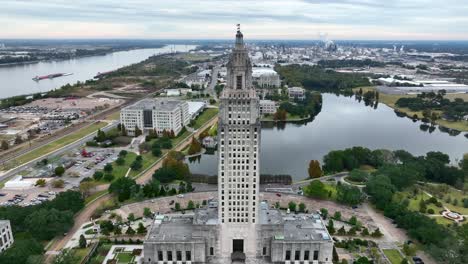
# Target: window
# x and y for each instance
(306, 255)
(211, 251)
(239, 82)
(297, 255)
(316, 254)
(288, 254)
(264, 251)
(169, 255)
(160, 255)
(179, 255)
(188, 255)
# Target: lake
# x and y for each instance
(17, 79)
(342, 123)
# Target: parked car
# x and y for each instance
(278, 194)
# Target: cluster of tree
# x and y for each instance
(126, 188)
(218, 89)
(310, 106)
(350, 63)
(318, 78)
(35, 223)
(315, 171)
(371, 97)
(428, 102)
(105, 139)
(352, 158)
(444, 244)
(400, 166)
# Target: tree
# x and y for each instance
(23, 248)
(141, 228)
(190, 205)
(353, 220)
(341, 231)
(45, 224)
(177, 206)
(138, 131)
(349, 195)
(331, 227)
(59, 171)
(195, 147)
(292, 206)
(58, 183)
(86, 187)
(380, 190)
(82, 241)
(108, 168)
(120, 161)
(18, 140)
(123, 131)
(98, 175)
(422, 206)
(123, 153)
(123, 188)
(5, 145)
(147, 212)
(108, 177)
(302, 207)
(337, 215)
(324, 213)
(315, 171)
(377, 233)
(365, 232)
(156, 151)
(316, 189)
(130, 231)
(165, 175)
(131, 217)
(41, 183)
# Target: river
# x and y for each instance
(17, 79)
(342, 123)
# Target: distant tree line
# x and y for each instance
(318, 78)
(350, 63)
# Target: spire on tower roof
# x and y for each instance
(239, 38)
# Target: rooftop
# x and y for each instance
(155, 104)
(179, 228)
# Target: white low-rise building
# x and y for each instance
(155, 114)
(296, 93)
(6, 236)
(266, 77)
(267, 107)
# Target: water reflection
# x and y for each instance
(287, 148)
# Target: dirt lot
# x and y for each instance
(70, 104)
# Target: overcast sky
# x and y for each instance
(216, 19)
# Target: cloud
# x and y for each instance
(292, 19)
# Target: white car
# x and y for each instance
(180, 196)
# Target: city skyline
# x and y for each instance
(208, 19)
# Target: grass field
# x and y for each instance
(393, 255)
(80, 254)
(114, 116)
(57, 144)
(124, 258)
(205, 117)
(391, 99)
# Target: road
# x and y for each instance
(85, 214)
(214, 81)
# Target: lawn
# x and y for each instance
(414, 203)
(114, 116)
(204, 117)
(80, 254)
(393, 255)
(125, 257)
(59, 143)
(451, 192)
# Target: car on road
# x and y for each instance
(278, 194)
(417, 260)
(171, 202)
(180, 196)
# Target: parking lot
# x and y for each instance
(81, 165)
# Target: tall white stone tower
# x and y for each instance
(238, 169)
